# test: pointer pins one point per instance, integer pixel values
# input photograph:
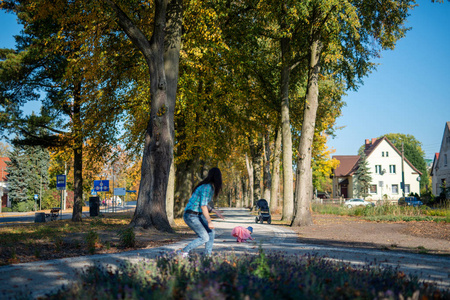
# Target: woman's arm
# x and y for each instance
(216, 211)
(207, 216)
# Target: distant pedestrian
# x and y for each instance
(242, 234)
(196, 214)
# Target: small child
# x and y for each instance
(242, 234)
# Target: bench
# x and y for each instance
(54, 213)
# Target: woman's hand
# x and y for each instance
(205, 212)
(210, 225)
(219, 214)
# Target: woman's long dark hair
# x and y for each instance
(214, 177)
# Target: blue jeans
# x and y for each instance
(199, 224)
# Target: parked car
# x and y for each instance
(323, 195)
(357, 202)
(409, 201)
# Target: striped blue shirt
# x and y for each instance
(201, 196)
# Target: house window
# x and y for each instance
(392, 169)
(395, 189)
(373, 188)
(382, 154)
(387, 154)
(407, 189)
(377, 169)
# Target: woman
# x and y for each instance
(196, 214)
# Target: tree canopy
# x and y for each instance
(196, 83)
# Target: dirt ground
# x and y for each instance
(330, 230)
(344, 231)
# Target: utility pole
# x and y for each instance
(40, 191)
(65, 191)
(403, 171)
(114, 194)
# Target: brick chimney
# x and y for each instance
(368, 144)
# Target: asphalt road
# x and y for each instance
(46, 276)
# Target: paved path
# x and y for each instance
(46, 276)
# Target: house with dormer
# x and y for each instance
(385, 163)
(440, 170)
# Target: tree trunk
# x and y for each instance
(77, 213)
(183, 186)
(267, 176)
(171, 66)
(275, 172)
(304, 184)
(245, 201)
(256, 150)
(238, 190)
(159, 137)
(257, 160)
(250, 181)
(288, 177)
(170, 197)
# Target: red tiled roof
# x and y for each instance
(435, 160)
(375, 143)
(3, 167)
(347, 165)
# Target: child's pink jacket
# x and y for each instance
(242, 234)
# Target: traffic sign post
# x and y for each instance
(60, 182)
(101, 185)
(119, 192)
(61, 186)
(35, 198)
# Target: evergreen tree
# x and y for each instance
(18, 179)
(362, 178)
(38, 160)
(27, 165)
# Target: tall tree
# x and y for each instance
(413, 152)
(343, 37)
(362, 178)
(18, 177)
(49, 61)
(161, 53)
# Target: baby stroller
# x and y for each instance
(262, 207)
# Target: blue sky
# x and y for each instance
(409, 92)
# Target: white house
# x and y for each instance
(386, 164)
(440, 170)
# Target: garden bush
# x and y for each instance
(24, 206)
(387, 212)
(127, 237)
(227, 276)
(92, 239)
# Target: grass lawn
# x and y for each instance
(63, 238)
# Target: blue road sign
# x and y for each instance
(131, 191)
(36, 196)
(119, 192)
(60, 182)
(101, 185)
(93, 192)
